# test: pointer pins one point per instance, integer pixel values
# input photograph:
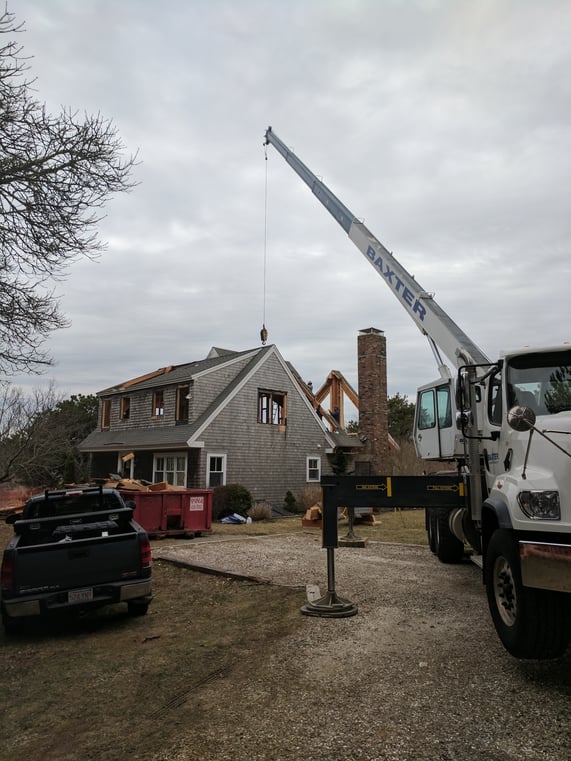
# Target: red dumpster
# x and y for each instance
(186, 512)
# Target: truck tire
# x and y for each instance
(137, 608)
(12, 626)
(531, 623)
(447, 547)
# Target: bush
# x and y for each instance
(232, 498)
(310, 495)
(261, 511)
(290, 503)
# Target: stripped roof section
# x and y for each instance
(179, 373)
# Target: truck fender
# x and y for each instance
(495, 515)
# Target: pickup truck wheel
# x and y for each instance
(137, 608)
(447, 547)
(531, 623)
(12, 626)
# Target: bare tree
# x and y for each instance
(25, 438)
(56, 173)
(39, 435)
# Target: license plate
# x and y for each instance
(80, 595)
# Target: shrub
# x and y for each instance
(310, 495)
(261, 511)
(232, 498)
(290, 503)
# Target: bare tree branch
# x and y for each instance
(56, 174)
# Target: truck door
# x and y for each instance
(494, 450)
(435, 434)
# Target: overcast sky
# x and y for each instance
(445, 125)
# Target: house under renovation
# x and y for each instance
(238, 417)
(234, 417)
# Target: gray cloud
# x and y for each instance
(445, 125)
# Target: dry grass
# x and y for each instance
(261, 511)
(107, 687)
(400, 526)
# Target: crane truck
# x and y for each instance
(505, 426)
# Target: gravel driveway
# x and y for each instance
(418, 673)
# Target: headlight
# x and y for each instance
(540, 505)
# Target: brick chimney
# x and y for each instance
(372, 459)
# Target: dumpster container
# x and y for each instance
(180, 512)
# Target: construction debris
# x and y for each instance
(313, 517)
(130, 484)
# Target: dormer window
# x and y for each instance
(272, 407)
(158, 404)
(125, 407)
(182, 399)
(105, 413)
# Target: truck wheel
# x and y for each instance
(137, 608)
(12, 626)
(531, 623)
(447, 547)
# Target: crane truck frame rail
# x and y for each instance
(505, 425)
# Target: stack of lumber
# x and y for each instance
(313, 517)
(129, 484)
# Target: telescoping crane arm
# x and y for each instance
(442, 332)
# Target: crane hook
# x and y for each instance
(264, 335)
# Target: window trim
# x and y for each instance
(224, 459)
(125, 407)
(175, 455)
(182, 405)
(105, 414)
(317, 459)
(266, 412)
(158, 408)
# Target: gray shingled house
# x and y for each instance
(235, 417)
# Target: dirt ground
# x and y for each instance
(229, 668)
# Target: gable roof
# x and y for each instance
(188, 435)
(229, 392)
(179, 373)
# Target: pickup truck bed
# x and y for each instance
(75, 549)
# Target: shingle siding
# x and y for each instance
(265, 459)
(207, 387)
(268, 459)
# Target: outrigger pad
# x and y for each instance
(330, 606)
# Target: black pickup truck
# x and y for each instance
(74, 549)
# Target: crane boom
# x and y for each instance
(439, 328)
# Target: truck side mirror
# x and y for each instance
(521, 418)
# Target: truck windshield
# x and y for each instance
(540, 381)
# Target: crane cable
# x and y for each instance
(263, 331)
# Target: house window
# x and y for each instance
(313, 469)
(158, 404)
(170, 468)
(125, 407)
(105, 413)
(272, 407)
(182, 396)
(216, 473)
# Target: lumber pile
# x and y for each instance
(130, 484)
(313, 517)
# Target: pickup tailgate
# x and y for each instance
(69, 564)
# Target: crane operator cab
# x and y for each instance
(436, 436)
